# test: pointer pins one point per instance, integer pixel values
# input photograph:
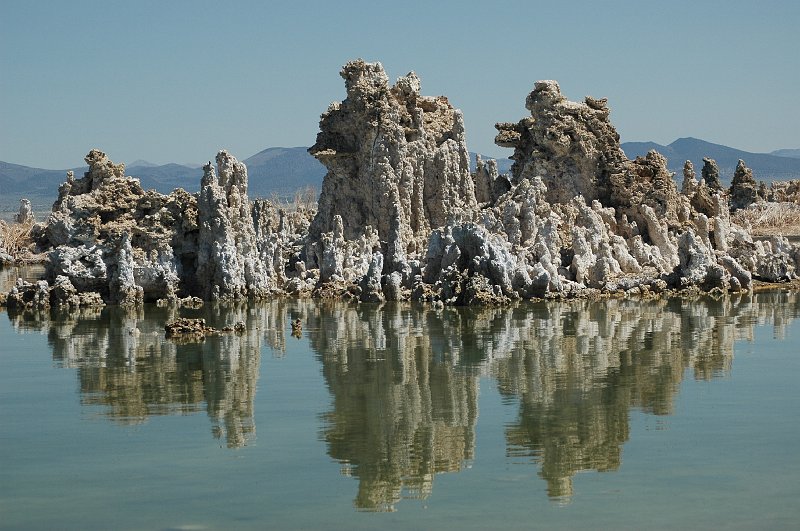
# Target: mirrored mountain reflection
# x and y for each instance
(127, 367)
(405, 381)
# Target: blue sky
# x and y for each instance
(175, 81)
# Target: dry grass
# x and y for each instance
(770, 218)
(16, 241)
(305, 199)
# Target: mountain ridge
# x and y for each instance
(281, 171)
(792, 153)
(766, 166)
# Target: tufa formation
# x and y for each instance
(400, 217)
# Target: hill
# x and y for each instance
(792, 153)
(766, 166)
(281, 171)
(276, 171)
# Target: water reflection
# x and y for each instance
(127, 367)
(581, 366)
(404, 380)
(10, 274)
(403, 409)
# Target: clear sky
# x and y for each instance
(175, 81)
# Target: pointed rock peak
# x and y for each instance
(362, 78)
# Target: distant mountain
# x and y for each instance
(166, 178)
(791, 153)
(766, 166)
(281, 171)
(36, 184)
(41, 186)
(141, 163)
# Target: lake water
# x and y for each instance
(667, 414)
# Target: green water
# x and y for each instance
(667, 414)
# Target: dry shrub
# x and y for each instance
(305, 200)
(770, 218)
(16, 241)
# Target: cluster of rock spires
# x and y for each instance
(401, 217)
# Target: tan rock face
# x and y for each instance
(575, 149)
(112, 237)
(784, 191)
(397, 161)
(572, 146)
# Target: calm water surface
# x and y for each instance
(666, 414)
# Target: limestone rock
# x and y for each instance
(573, 146)
(489, 184)
(29, 295)
(784, 192)
(576, 151)
(697, 262)
(393, 287)
(689, 180)
(187, 330)
(108, 235)
(744, 189)
(775, 259)
(229, 264)
(742, 276)
(25, 214)
(83, 266)
(370, 284)
(401, 217)
(397, 161)
(710, 174)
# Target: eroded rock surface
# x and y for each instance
(109, 236)
(25, 214)
(397, 162)
(188, 330)
(229, 264)
(581, 219)
(744, 189)
(400, 217)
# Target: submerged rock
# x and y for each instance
(188, 330)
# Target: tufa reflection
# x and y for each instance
(126, 366)
(405, 379)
